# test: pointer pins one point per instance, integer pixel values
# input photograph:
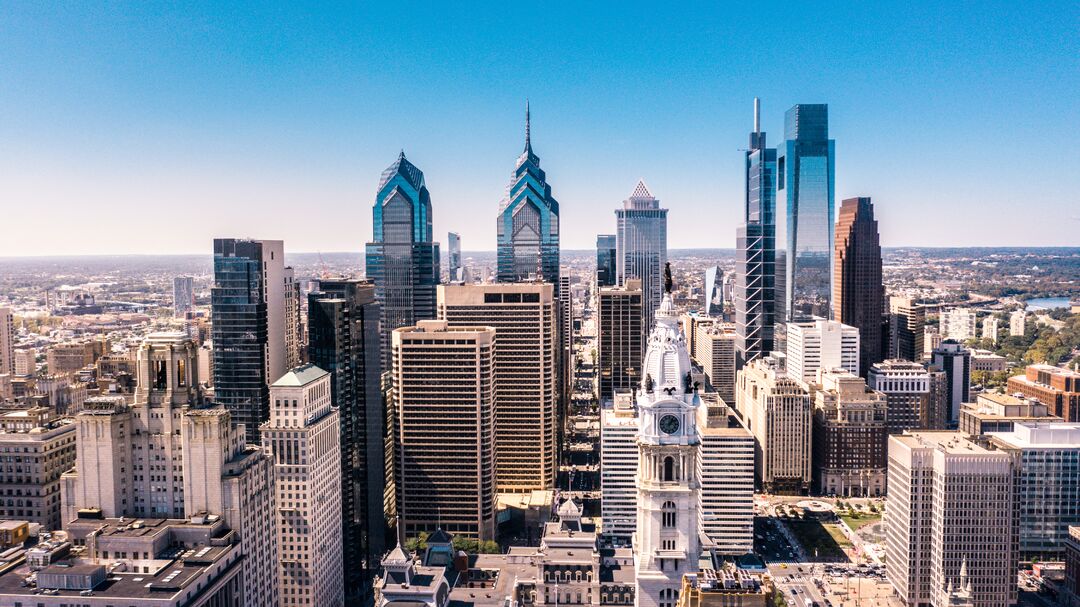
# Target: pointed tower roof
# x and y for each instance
(401, 166)
(641, 190)
(528, 134)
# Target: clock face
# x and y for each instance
(669, 424)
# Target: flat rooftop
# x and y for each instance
(948, 441)
(1046, 435)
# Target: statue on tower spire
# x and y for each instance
(667, 277)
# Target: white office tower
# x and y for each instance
(951, 506)
(821, 344)
(959, 324)
(304, 435)
(990, 326)
(1017, 323)
(726, 470)
(667, 542)
(778, 410)
(716, 355)
(618, 469)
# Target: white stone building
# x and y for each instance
(821, 344)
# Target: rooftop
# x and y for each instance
(300, 376)
(1049, 435)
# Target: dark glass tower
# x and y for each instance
(605, 260)
(805, 167)
(858, 293)
(528, 223)
(402, 259)
(343, 339)
(755, 256)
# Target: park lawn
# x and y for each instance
(862, 521)
(827, 539)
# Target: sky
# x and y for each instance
(152, 127)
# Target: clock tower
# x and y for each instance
(667, 542)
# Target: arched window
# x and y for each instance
(669, 469)
(668, 517)
(667, 597)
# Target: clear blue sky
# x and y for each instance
(152, 128)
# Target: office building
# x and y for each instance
(303, 435)
(565, 354)
(453, 257)
(526, 374)
(402, 259)
(641, 243)
(849, 436)
(757, 296)
(932, 339)
(715, 347)
(821, 344)
(951, 514)
(1017, 323)
(528, 222)
(247, 304)
(1058, 388)
(985, 360)
(726, 470)
(906, 322)
(25, 362)
(71, 357)
(959, 324)
(1047, 459)
(183, 295)
(344, 339)
(805, 185)
(690, 323)
(955, 360)
(776, 408)
(7, 341)
(295, 348)
(858, 297)
(1071, 587)
(606, 268)
(910, 399)
(618, 468)
(444, 396)
(993, 412)
(620, 344)
(45, 444)
(714, 291)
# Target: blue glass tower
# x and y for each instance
(402, 260)
(805, 166)
(528, 224)
(605, 260)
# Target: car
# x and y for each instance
(794, 591)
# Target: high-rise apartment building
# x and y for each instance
(453, 257)
(183, 295)
(951, 511)
(303, 435)
(402, 259)
(715, 347)
(444, 397)
(909, 395)
(606, 270)
(990, 326)
(955, 360)
(1057, 388)
(641, 243)
(805, 184)
(1017, 323)
(858, 295)
(714, 291)
(247, 304)
(778, 411)
(45, 448)
(344, 339)
(528, 222)
(849, 436)
(294, 326)
(526, 374)
(821, 344)
(620, 343)
(959, 324)
(906, 321)
(756, 292)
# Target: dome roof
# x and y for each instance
(666, 360)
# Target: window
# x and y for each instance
(667, 597)
(669, 469)
(668, 515)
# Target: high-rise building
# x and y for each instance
(294, 333)
(726, 471)
(951, 515)
(641, 243)
(955, 360)
(526, 374)
(606, 270)
(1047, 459)
(849, 436)
(25, 362)
(565, 358)
(906, 322)
(620, 344)
(716, 354)
(303, 435)
(714, 291)
(444, 396)
(453, 257)
(45, 445)
(804, 227)
(402, 259)
(690, 323)
(1017, 323)
(7, 341)
(821, 344)
(959, 324)
(1057, 388)
(756, 271)
(344, 339)
(247, 305)
(778, 410)
(183, 295)
(908, 394)
(618, 469)
(528, 222)
(990, 326)
(858, 294)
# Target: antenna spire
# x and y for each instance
(757, 115)
(528, 138)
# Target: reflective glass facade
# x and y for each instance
(605, 260)
(641, 243)
(805, 166)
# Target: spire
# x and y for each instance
(757, 115)
(963, 573)
(528, 142)
(401, 156)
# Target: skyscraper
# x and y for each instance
(183, 295)
(714, 291)
(755, 291)
(906, 335)
(858, 294)
(908, 392)
(453, 256)
(247, 304)
(805, 168)
(343, 339)
(606, 270)
(955, 360)
(821, 344)
(619, 338)
(528, 223)
(402, 258)
(641, 247)
(294, 334)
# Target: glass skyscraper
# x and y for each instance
(403, 260)
(528, 223)
(805, 167)
(641, 243)
(605, 260)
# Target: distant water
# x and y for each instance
(1047, 303)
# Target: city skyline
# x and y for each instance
(171, 118)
